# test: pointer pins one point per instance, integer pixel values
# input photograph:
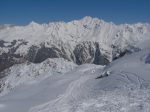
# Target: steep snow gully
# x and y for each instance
(85, 65)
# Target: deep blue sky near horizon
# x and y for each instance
(22, 12)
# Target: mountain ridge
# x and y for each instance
(60, 39)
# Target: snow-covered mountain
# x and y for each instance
(122, 86)
(28, 72)
(85, 65)
(89, 40)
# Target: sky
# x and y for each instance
(22, 12)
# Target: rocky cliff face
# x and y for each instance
(8, 57)
(85, 52)
(90, 52)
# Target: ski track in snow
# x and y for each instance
(68, 101)
(79, 91)
(30, 95)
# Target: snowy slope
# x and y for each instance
(125, 89)
(124, 86)
(29, 72)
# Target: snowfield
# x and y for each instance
(125, 89)
(60, 85)
(31, 73)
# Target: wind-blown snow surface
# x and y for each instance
(124, 86)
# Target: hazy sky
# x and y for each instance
(42, 11)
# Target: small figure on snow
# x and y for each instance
(104, 74)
